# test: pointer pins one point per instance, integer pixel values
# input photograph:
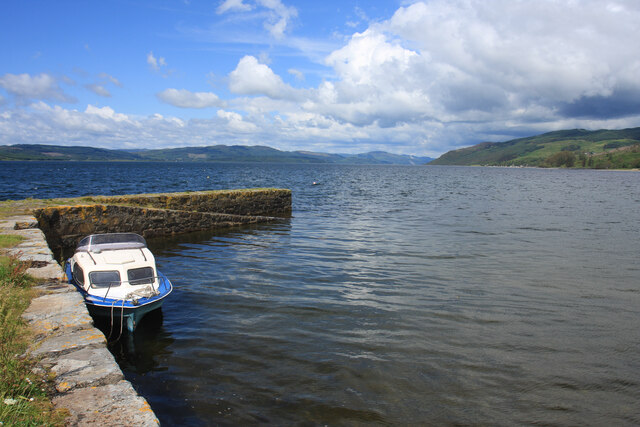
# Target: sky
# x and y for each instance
(339, 76)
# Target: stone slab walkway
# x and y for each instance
(89, 382)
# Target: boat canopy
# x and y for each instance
(111, 241)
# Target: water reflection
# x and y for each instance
(139, 352)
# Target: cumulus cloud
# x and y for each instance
(253, 78)
(236, 122)
(378, 81)
(107, 113)
(501, 55)
(465, 71)
(185, 99)
(43, 123)
(436, 75)
(26, 87)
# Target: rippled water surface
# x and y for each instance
(393, 296)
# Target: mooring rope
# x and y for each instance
(121, 319)
(147, 292)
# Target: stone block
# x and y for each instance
(30, 256)
(55, 287)
(108, 405)
(59, 311)
(87, 367)
(68, 341)
(51, 271)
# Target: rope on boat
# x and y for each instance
(121, 319)
(146, 292)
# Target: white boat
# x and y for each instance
(117, 276)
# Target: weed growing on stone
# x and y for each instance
(9, 240)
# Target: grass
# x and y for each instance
(25, 397)
(10, 208)
(10, 240)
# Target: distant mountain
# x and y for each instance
(381, 157)
(576, 148)
(56, 152)
(216, 153)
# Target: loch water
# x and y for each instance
(395, 295)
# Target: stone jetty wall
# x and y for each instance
(152, 215)
(89, 382)
(250, 202)
(64, 226)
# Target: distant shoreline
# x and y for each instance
(214, 153)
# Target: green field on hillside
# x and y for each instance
(578, 148)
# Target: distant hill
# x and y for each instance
(216, 153)
(55, 152)
(577, 148)
(381, 157)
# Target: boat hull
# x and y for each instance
(129, 316)
(129, 312)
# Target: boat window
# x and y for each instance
(104, 279)
(140, 276)
(78, 274)
(111, 241)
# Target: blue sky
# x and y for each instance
(410, 77)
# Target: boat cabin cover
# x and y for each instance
(113, 264)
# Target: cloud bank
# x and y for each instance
(434, 76)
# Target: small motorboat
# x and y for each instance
(117, 276)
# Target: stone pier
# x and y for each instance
(152, 215)
(89, 382)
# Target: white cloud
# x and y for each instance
(279, 18)
(299, 75)
(106, 78)
(185, 99)
(98, 89)
(155, 63)
(45, 122)
(370, 57)
(27, 87)
(378, 81)
(233, 5)
(509, 55)
(236, 122)
(106, 113)
(278, 15)
(467, 70)
(253, 78)
(435, 75)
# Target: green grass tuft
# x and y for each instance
(10, 240)
(24, 396)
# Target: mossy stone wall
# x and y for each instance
(153, 215)
(260, 202)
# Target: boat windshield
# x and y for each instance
(111, 241)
